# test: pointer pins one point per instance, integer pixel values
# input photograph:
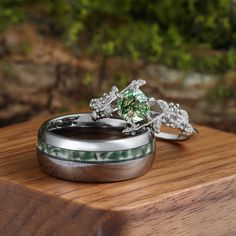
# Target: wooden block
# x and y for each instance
(191, 190)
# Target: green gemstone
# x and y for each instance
(133, 105)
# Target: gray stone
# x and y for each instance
(200, 80)
(39, 76)
(169, 75)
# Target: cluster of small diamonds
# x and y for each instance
(174, 117)
(137, 83)
(103, 106)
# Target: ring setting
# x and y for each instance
(132, 105)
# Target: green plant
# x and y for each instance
(7, 69)
(11, 13)
(160, 31)
(87, 80)
(222, 92)
(122, 80)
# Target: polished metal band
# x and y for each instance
(93, 160)
(85, 120)
(96, 172)
(171, 137)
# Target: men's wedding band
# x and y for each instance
(78, 148)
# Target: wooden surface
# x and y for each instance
(191, 190)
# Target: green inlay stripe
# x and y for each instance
(75, 155)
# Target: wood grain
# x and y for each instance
(191, 190)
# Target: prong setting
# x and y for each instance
(132, 105)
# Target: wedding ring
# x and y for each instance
(133, 106)
(78, 148)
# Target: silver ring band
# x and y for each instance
(92, 172)
(85, 120)
(93, 160)
(171, 137)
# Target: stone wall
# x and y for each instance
(39, 75)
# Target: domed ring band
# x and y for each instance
(75, 147)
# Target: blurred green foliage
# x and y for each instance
(187, 34)
(87, 80)
(7, 69)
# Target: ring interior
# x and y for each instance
(91, 133)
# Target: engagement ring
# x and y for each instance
(132, 105)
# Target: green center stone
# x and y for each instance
(133, 105)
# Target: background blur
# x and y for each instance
(56, 55)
